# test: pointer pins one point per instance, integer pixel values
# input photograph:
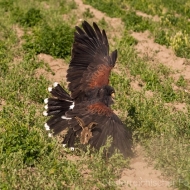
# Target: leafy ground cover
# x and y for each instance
(165, 132)
(172, 29)
(31, 160)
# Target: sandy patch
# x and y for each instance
(156, 53)
(155, 18)
(19, 31)
(2, 103)
(136, 85)
(115, 29)
(142, 176)
(177, 106)
(58, 67)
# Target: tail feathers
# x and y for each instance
(70, 137)
(55, 106)
(57, 124)
(58, 92)
(59, 103)
(54, 119)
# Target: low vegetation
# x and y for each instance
(28, 158)
(165, 132)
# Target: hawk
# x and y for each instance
(86, 112)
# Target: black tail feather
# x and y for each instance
(59, 126)
(70, 137)
(57, 106)
(58, 92)
(60, 103)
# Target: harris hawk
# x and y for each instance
(86, 112)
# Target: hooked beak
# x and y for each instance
(113, 95)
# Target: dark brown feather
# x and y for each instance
(100, 109)
(90, 60)
(108, 124)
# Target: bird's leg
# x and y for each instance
(86, 133)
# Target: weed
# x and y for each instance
(181, 82)
(31, 17)
(102, 23)
(55, 41)
(161, 37)
(67, 6)
(88, 14)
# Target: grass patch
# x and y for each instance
(31, 18)
(171, 30)
(67, 6)
(154, 124)
(28, 157)
(55, 41)
(88, 14)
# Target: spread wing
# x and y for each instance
(107, 124)
(91, 63)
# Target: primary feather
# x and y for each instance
(91, 63)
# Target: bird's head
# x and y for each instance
(110, 91)
(107, 94)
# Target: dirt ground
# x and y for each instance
(142, 175)
(58, 67)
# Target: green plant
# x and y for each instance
(55, 41)
(161, 37)
(88, 14)
(67, 6)
(7, 5)
(181, 82)
(135, 22)
(30, 18)
(103, 23)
